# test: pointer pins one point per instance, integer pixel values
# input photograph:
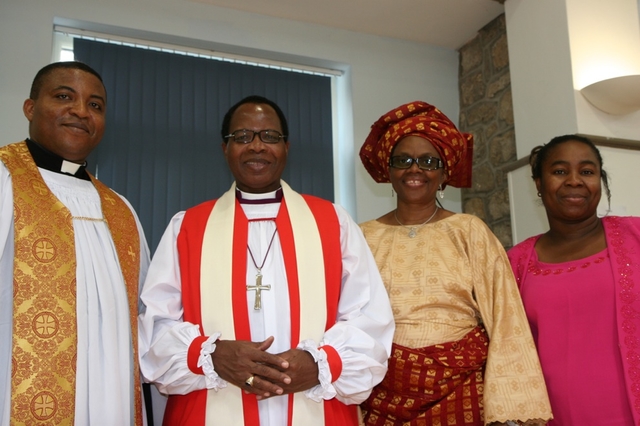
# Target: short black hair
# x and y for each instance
(257, 100)
(540, 153)
(38, 80)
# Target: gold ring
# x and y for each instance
(249, 381)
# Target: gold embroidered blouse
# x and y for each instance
(452, 276)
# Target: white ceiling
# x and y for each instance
(447, 23)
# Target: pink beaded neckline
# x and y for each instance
(537, 267)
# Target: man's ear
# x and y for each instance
(27, 108)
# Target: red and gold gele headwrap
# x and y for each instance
(425, 121)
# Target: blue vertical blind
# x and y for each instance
(162, 145)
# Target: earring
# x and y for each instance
(440, 191)
(539, 194)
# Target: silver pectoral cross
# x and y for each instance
(258, 289)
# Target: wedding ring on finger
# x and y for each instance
(249, 381)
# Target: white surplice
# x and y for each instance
(104, 376)
(362, 334)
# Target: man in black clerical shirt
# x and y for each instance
(72, 257)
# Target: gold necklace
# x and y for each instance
(413, 230)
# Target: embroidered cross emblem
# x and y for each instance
(131, 253)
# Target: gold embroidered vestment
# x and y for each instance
(44, 347)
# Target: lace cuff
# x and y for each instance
(212, 380)
(325, 389)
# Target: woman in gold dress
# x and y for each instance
(463, 352)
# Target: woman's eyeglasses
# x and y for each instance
(424, 163)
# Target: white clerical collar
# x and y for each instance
(47, 160)
(262, 198)
(69, 167)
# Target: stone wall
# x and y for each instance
(486, 111)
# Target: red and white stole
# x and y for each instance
(218, 237)
(214, 295)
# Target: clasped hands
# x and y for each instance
(291, 371)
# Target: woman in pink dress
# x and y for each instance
(578, 285)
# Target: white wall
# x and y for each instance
(605, 43)
(540, 65)
(557, 47)
(527, 213)
(381, 73)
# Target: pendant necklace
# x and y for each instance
(413, 230)
(257, 305)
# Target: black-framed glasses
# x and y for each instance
(247, 136)
(424, 163)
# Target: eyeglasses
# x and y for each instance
(247, 136)
(424, 163)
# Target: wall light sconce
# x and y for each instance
(618, 96)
